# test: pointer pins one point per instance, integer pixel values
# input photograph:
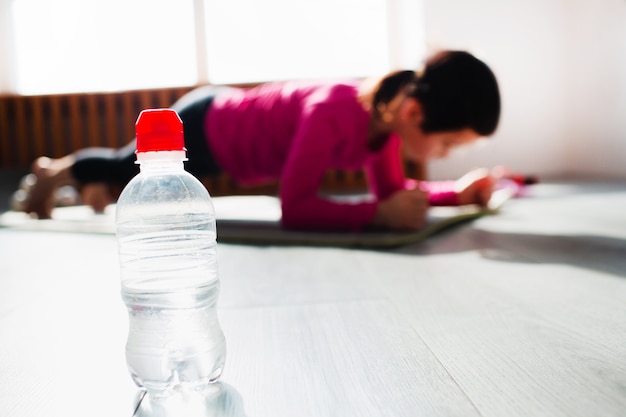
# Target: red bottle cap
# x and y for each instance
(159, 130)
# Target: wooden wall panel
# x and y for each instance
(54, 125)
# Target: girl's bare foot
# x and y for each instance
(47, 175)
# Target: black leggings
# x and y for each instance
(118, 167)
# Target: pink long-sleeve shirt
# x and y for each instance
(295, 132)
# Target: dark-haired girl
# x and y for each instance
(295, 131)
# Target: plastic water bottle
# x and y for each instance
(167, 250)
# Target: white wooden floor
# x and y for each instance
(519, 314)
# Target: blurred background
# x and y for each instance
(561, 64)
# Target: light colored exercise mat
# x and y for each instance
(256, 220)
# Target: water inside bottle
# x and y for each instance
(174, 339)
(170, 287)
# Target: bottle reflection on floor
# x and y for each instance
(213, 400)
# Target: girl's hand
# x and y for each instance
(475, 187)
(405, 209)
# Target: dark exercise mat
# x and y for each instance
(256, 220)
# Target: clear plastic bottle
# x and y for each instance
(167, 250)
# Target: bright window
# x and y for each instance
(90, 45)
(96, 45)
(274, 39)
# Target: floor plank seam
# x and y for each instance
(439, 361)
(301, 304)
